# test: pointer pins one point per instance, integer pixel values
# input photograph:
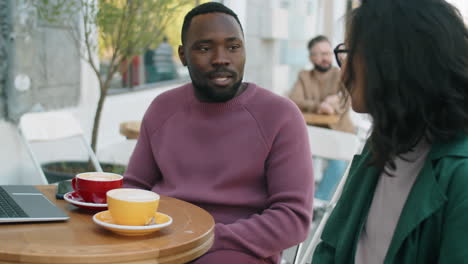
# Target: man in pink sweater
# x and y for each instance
(230, 147)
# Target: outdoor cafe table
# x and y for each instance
(320, 120)
(131, 129)
(80, 240)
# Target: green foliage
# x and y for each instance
(174, 29)
(55, 11)
(124, 27)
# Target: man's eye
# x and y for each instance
(234, 47)
(204, 49)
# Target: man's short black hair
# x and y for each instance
(316, 40)
(210, 7)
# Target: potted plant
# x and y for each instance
(121, 29)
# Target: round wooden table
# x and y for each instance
(130, 129)
(80, 240)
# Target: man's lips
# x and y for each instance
(221, 81)
(221, 78)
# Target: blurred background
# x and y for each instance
(63, 55)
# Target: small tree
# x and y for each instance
(119, 28)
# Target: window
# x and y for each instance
(156, 65)
(45, 69)
(5, 28)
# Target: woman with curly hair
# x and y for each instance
(405, 63)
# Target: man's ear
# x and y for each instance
(182, 55)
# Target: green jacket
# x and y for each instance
(433, 226)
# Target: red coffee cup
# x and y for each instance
(93, 186)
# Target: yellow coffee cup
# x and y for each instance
(134, 207)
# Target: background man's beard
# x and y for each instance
(208, 93)
(321, 68)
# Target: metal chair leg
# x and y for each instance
(318, 232)
(298, 252)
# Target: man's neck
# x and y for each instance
(241, 89)
(321, 74)
(204, 99)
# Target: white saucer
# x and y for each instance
(104, 219)
(75, 199)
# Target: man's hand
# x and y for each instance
(326, 108)
(333, 100)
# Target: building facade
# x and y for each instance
(277, 32)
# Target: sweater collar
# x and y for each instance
(234, 102)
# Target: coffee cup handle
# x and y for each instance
(73, 183)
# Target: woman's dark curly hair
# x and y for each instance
(415, 60)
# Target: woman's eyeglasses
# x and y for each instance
(341, 54)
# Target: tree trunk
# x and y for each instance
(97, 117)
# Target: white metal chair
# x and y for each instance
(318, 231)
(327, 144)
(51, 126)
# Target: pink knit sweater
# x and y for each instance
(246, 161)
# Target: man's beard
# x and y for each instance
(321, 68)
(208, 93)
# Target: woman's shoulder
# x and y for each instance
(450, 163)
(455, 149)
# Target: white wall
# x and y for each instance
(462, 5)
(120, 108)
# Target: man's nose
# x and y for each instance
(221, 57)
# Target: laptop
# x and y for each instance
(25, 203)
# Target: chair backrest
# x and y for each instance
(52, 126)
(332, 144)
(46, 126)
(327, 144)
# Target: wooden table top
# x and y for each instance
(130, 129)
(320, 120)
(80, 240)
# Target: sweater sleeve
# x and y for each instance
(142, 171)
(290, 188)
(297, 95)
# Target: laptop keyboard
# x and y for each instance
(8, 207)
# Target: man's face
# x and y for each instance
(215, 56)
(321, 55)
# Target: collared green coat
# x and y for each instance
(433, 226)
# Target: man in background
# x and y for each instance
(163, 63)
(318, 90)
